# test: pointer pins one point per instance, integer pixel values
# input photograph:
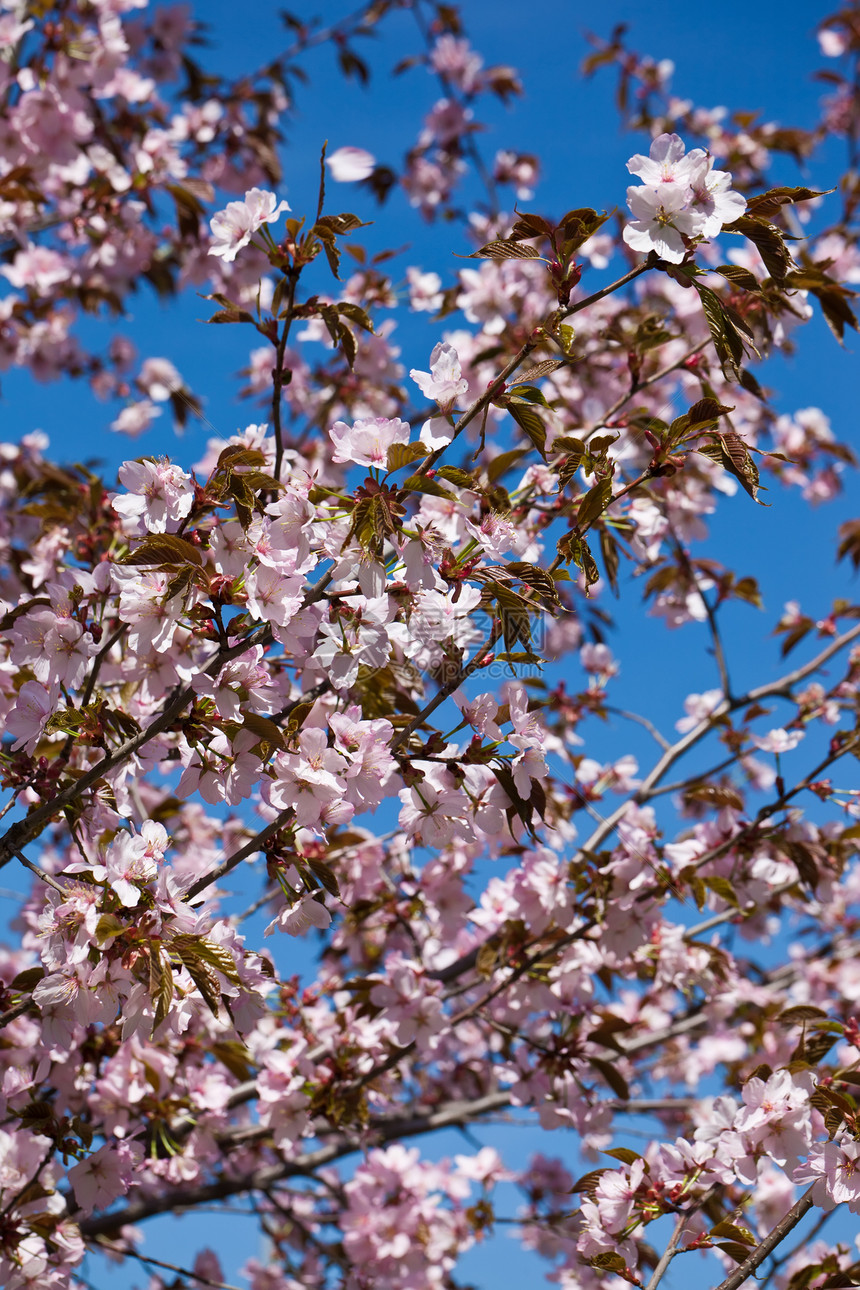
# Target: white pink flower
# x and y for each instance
(35, 704)
(697, 708)
(444, 382)
(348, 165)
(366, 442)
(103, 1176)
(160, 495)
(234, 227)
(777, 741)
(681, 197)
(298, 919)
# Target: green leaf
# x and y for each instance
(27, 980)
(66, 721)
(545, 368)
(530, 393)
(730, 334)
(403, 454)
(573, 547)
(568, 443)
(529, 225)
(325, 874)
(355, 314)
(734, 1233)
(230, 316)
(704, 413)
(504, 249)
(160, 984)
(194, 951)
(455, 475)
(588, 1182)
(520, 806)
(500, 465)
(800, 1014)
(163, 549)
(233, 1054)
(108, 925)
(718, 795)
(577, 226)
(598, 445)
(235, 454)
(770, 202)
(734, 1250)
(624, 1154)
(566, 335)
(609, 1261)
(723, 888)
(593, 504)
(730, 451)
(263, 729)
(535, 577)
(218, 957)
(421, 484)
(768, 241)
(619, 1086)
(609, 551)
(739, 277)
(207, 983)
(529, 421)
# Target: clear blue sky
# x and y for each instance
(739, 54)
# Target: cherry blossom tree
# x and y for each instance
(344, 678)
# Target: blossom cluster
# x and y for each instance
(680, 199)
(352, 676)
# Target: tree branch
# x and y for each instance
(379, 1131)
(250, 848)
(770, 1242)
(668, 1254)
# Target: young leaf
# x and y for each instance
(504, 249)
(529, 421)
(403, 454)
(163, 549)
(593, 504)
(421, 484)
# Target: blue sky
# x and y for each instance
(754, 56)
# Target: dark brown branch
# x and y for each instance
(770, 1242)
(448, 688)
(250, 848)
(387, 1130)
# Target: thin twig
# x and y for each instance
(710, 613)
(770, 1242)
(250, 848)
(446, 690)
(168, 1200)
(783, 685)
(644, 722)
(669, 1253)
(196, 1277)
(639, 386)
(44, 877)
(278, 374)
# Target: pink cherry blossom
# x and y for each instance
(661, 221)
(234, 227)
(777, 741)
(366, 443)
(350, 164)
(32, 709)
(298, 919)
(160, 495)
(104, 1175)
(444, 382)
